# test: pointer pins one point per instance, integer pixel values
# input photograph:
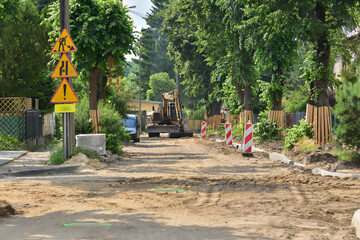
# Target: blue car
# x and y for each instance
(132, 126)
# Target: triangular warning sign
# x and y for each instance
(64, 94)
(64, 68)
(64, 44)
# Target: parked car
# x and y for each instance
(132, 126)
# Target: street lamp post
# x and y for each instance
(139, 114)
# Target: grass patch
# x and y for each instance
(57, 156)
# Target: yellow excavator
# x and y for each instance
(169, 118)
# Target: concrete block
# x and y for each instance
(280, 157)
(95, 142)
(322, 172)
(356, 222)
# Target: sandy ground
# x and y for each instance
(226, 196)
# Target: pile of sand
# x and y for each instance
(85, 162)
(6, 209)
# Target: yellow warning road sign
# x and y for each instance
(64, 68)
(64, 44)
(64, 94)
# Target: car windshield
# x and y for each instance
(129, 122)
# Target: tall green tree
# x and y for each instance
(24, 52)
(181, 31)
(159, 84)
(155, 58)
(270, 33)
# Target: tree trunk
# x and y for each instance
(322, 126)
(248, 97)
(238, 87)
(323, 57)
(102, 86)
(214, 108)
(93, 101)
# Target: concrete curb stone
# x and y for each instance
(47, 170)
(9, 156)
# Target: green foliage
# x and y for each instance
(92, 154)
(349, 155)
(294, 134)
(348, 114)
(58, 126)
(57, 156)
(23, 53)
(265, 130)
(9, 143)
(297, 101)
(159, 84)
(154, 53)
(112, 127)
(119, 94)
(211, 131)
(82, 116)
(197, 114)
(238, 130)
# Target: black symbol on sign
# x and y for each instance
(64, 91)
(64, 68)
(62, 43)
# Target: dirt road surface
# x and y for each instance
(226, 196)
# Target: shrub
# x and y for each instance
(58, 126)
(82, 117)
(112, 127)
(238, 130)
(9, 143)
(57, 157)
(348, 114)
(294, 134)
(265, 130)
(92, 154)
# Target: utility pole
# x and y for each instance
(139, 114)
(68, 118)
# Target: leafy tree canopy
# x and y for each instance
(159, 84)
(23, 52)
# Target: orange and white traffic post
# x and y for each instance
(228, 134)
(248, 137)
(203, 129)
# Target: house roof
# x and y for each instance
(136, 100)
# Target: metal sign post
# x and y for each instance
(65, 70)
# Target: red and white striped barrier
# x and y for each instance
(228, 135)
(203, 129)
(248, 136)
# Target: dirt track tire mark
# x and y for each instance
(211, 196)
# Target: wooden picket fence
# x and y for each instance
(320, 117)
(95, 116)
(322, 125)
(279, 116)
(232, 119)
(247, 116)
(310, 113)
(214, 122)
(49, 125)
